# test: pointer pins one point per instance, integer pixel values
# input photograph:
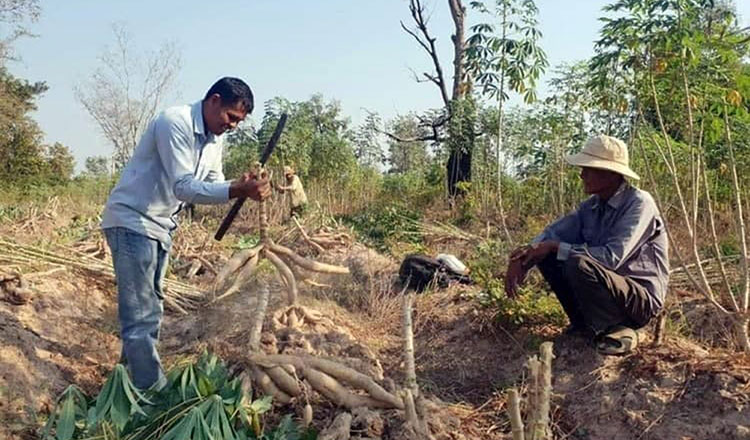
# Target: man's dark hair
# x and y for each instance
(233, 90)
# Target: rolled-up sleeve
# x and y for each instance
(174, 143)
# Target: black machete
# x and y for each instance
(229, 218)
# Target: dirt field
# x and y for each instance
(67, 333)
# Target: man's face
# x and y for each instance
(219, 118)
(596, 181)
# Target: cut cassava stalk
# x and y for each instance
(533, 396)
(514, 413)
(542, 428)
(411, 375)
(178, 296)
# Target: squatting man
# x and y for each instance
(607, 261)
(176, 162)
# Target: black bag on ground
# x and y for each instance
(420, 271)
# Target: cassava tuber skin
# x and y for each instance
(286, 273)
(334, 391)
(307, 416)
(284, 381)
(235, 263)
(269, 387)
(244, 274)
(335, 370)
(307, 263)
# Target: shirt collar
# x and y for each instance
(617, 198)
(199, 128)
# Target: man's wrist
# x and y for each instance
(552, 246)
(236, 189)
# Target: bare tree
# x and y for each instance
(422, 35)
(124, 93)
(13, 14)
(460, 132)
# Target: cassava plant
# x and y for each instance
(683, 61)
(244, 263)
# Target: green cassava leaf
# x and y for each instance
(66, 424)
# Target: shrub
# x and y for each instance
(380, 224)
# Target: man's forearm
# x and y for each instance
(190, 190)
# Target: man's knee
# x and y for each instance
(550, 267)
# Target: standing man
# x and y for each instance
(607, 262)
(296, 192)
(176, 162)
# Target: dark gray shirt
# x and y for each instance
(626, 234)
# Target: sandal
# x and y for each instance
(619, 340)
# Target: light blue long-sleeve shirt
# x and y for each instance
(626, 234)
(174, 163)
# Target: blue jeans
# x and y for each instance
(140, 263)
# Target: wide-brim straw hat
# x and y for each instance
(606, 153)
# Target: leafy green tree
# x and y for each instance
(60, 163)
(242, 150)
(316, 139)
(21, 153)
(504, 56)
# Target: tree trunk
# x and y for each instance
(458, 13)
(459, 170)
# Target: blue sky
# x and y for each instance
(350, 50)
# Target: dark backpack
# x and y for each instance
(419, 271)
